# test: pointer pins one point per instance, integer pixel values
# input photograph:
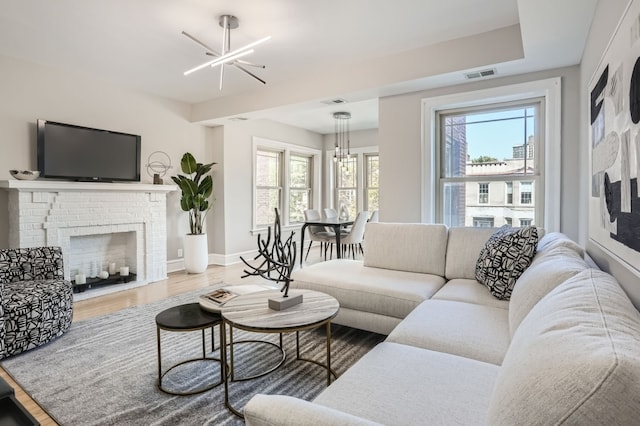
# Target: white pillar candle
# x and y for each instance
(81, 279)
(112, 268)
(124, 271)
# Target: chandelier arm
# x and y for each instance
(248, 72)
(211, 52)
(249, 64)
(221, 76)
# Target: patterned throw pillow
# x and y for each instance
(505, 256)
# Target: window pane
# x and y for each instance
(483, 222)
(298, 203)
(347, 198)
(267, 199)
(346, 172)
(509, 193)
(489, 142)
(483, 193)
(372, 193)
(300, 172)
(526, 189)
(373, 200)
(453, 203)
(267, 168)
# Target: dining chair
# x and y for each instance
(332, 213)
(354, 238)
(318, 233)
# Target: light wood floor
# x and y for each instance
(176, 283)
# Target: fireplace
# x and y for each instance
(94, 224)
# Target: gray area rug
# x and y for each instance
(103, 371)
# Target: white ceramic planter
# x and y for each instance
(196, 253)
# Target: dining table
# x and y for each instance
(335, 223)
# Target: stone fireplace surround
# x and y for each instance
(52, 213)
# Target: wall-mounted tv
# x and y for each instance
(66, 151)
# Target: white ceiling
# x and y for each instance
(138, 44)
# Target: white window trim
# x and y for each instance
(287, 149)
(549, 89)
(360, 181)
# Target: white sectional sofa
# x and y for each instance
(565, 349)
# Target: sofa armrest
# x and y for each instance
(270, 410)
(27, 264)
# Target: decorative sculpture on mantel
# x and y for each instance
(277, 263)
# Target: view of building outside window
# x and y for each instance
(299, 187)
(487, 156)
(347, 185)
(372, 199)
(268, 186)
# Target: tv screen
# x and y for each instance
(81, 153)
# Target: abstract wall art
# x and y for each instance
(614, 138)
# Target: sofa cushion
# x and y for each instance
(411, 247)
(282, 410)
(397, 384)
(574, 358)
(458, 328)
(554, 239)
(470, 291)
(358, 287)
(463, 246)
(505, 256)
(549, 268)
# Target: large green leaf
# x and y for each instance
(188, 164)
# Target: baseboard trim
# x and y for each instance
(177, 265)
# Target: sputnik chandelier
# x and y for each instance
(228, 56)
(342, 143)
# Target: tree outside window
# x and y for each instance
(372, 170)
(299, 187)
(268, 186)
(347, 185)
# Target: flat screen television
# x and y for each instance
(66, 151)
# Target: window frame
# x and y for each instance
(483, 196)
(287, 150)
(549, 89)
(367, 186)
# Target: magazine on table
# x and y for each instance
(219, 296)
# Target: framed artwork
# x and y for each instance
(614, 140)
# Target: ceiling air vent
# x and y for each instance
(480, 74)
(336, 101)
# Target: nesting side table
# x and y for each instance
(184, 318)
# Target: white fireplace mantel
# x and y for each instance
(49, 212)
(59, 185)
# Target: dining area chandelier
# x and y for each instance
(342, 143)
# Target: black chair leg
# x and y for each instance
(308, 248)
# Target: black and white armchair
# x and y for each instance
(36, 302)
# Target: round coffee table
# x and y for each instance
(251, 312)
(183, 318)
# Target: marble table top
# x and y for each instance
(251, 311)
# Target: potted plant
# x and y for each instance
(197, 188)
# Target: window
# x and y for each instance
(372, 198)
(286, 177)
(525, 192)
(483, 193)
(526, 222)
(483, 222)
(347, 185)
(508, 221)
(483, 147)
(299, 187)
(268, 186)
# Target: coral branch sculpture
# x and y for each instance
(278, 258)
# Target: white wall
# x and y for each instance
(606, 18)
(400, 143)
(31, 91)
